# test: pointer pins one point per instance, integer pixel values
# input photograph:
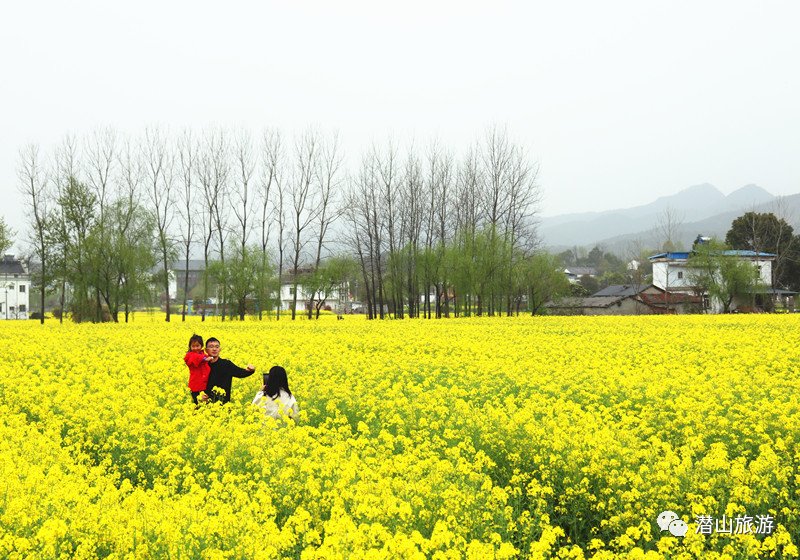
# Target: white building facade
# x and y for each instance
(15, 289)
(334, 299)
(671, 271)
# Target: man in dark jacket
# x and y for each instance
(222, 373)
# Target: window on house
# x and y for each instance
(680, 275)
(291, 290)
(22, 309)
(22, 288)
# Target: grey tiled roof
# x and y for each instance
(620, 290)
(11, 266)
(577, 302)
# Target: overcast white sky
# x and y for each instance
(620, 102)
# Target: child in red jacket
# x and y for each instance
(197, 361)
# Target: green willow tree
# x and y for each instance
(542, 275)
(6, 236)
(79, 213)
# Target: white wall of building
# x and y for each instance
(14, 297)
(675, 275)
(332, 298)
(765, 268)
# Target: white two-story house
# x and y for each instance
(15, 289)
(672, 272)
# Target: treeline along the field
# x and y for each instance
(412, 232)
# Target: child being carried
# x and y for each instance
(199, 369)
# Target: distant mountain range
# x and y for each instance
(702, 209)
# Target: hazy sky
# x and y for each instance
(620, 102)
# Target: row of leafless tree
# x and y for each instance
(435, 235)
(432, 233)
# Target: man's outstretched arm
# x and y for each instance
(236, 371)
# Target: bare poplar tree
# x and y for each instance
(212, 170)
(376, 225)
(33, 186)
(524, 197)
(205, 176)
(467, 215)
(329, 178)
(66, 171)
(411, 222)
(130, 185)
(359, 214)
(245, 162)
(304, 202)
(443, 231)
(430, 264)
(219, 208)
(329, 182)
(667, 228)
(348, 235)
(101, 159)
(279, 211)
(187, 164)
(159, 171)
(272, 158)
(496, 157)
(386, 166)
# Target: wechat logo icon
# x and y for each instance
(669, 521)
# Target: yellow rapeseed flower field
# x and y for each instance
(462, 438)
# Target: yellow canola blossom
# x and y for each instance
(462, 438)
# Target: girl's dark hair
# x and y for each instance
(275, 381)
(196, 338)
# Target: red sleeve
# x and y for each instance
(193, 359)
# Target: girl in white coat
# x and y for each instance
(275, 397)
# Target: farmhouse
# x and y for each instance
(15, 282)
(627, 300)
(673, 273)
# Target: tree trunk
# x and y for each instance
(185, 287)
(41, 308)
(63, 299)
(205, 285)
(166, 283)
(294, 299)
